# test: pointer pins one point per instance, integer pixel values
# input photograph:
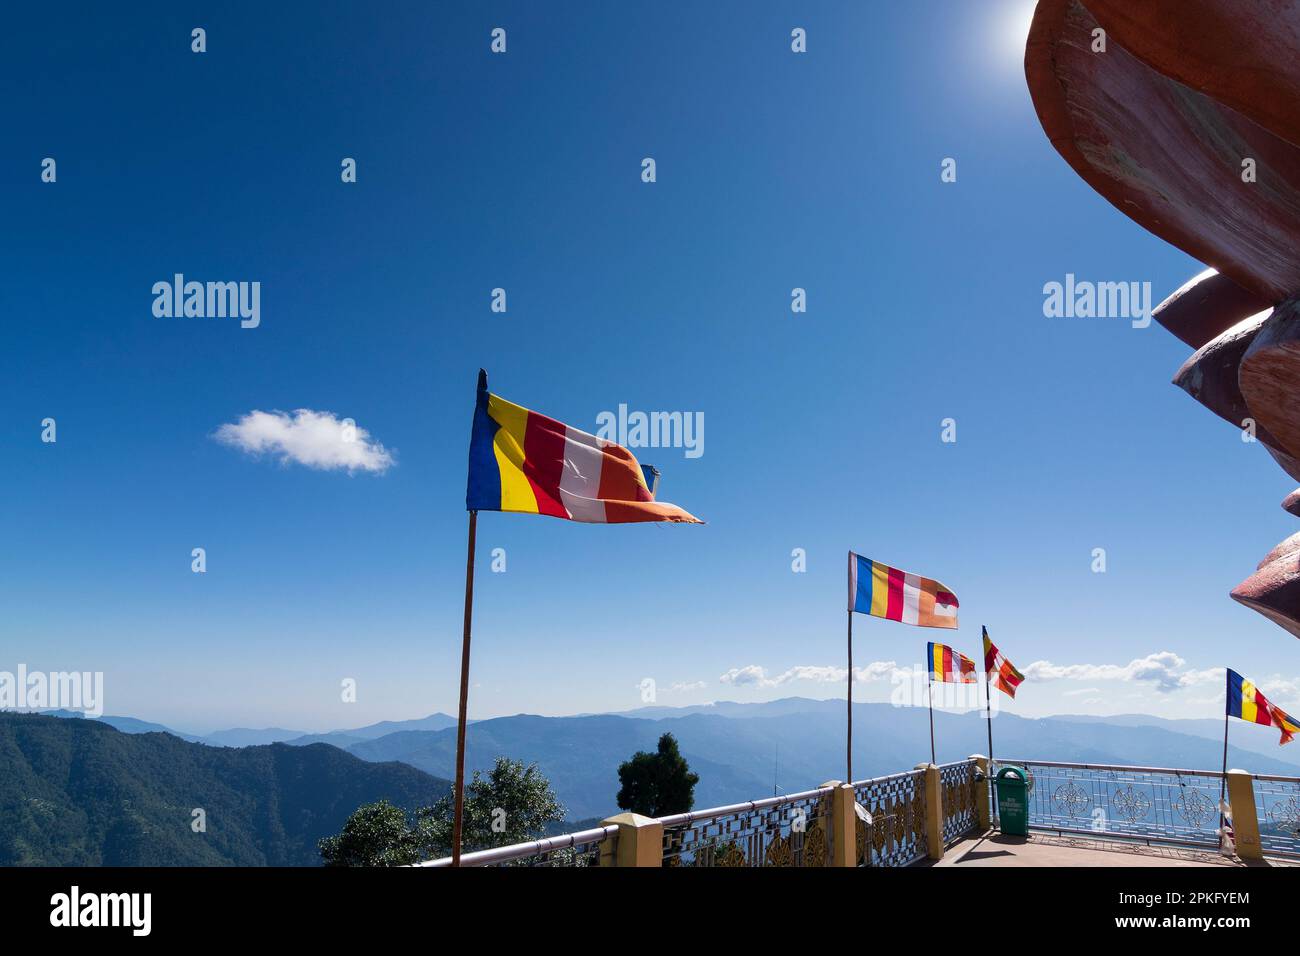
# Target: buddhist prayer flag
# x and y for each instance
(1247, 703)
(882, 591)
(949, 666)
(525, 462)
(1000, 671)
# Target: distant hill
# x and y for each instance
(127, 725)
(81, 793)
(345, 738)
(727, 708)
(742, 758)
(1257, 740)
(249, 736)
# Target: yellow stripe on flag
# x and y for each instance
(1249, 709)
(879, 589)
(508, 447)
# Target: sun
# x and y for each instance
(1010, 23)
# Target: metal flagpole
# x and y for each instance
(929, 684)
(1223, 778)
(848, 756)
(988, 712)
(464, 692)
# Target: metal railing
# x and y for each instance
(571, 849)
(896, 833)
(1151, 804)
(1277, 808)
(891, 821)
(957, 786)
(792, 830)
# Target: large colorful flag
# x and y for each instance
(949, 666)
(525, 462)
(1247, 703)
(1001, 672)
(882, 591)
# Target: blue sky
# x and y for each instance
(775, 170)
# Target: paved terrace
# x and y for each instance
(1046, 849)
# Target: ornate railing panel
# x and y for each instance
(896, 834)
(957, 785)
(792, 830)
(571, 849)
(1148, 803)
(1277, 807)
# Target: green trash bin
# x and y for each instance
(1013, 801)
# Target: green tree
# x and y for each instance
(509, 804)
(657, 784)
(376, 834)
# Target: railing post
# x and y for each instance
(933, 810)
(1245, 820)
(844, 825)
(983, 810)
(640, 841)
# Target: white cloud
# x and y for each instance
(684, 687)
(753, 675)
(1081, 691)
(314, 439)
(1165, 669)
(756, 676)
(1278, 686)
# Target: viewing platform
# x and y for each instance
(1079, 815)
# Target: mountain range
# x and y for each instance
(83, 793)
(744, 751)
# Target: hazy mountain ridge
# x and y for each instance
(257, 736)
(743, 758)
(748, 750)
(82, 793)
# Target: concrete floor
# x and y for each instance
(1042, 849)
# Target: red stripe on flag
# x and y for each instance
(1263, 710)
(947, 662)
(544, 462)
(894, 611)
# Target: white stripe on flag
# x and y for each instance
(580, 479)
(853, 581)
(911, 598)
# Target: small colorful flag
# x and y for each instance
(1001, 672)
(527, 463)
(882, 591)
(1247, 703)
(949, 666)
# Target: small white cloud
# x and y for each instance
(1164, 669)
(1278, 686)
(753, 675)
(756, 676)
(685, 687)
(315, 439)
